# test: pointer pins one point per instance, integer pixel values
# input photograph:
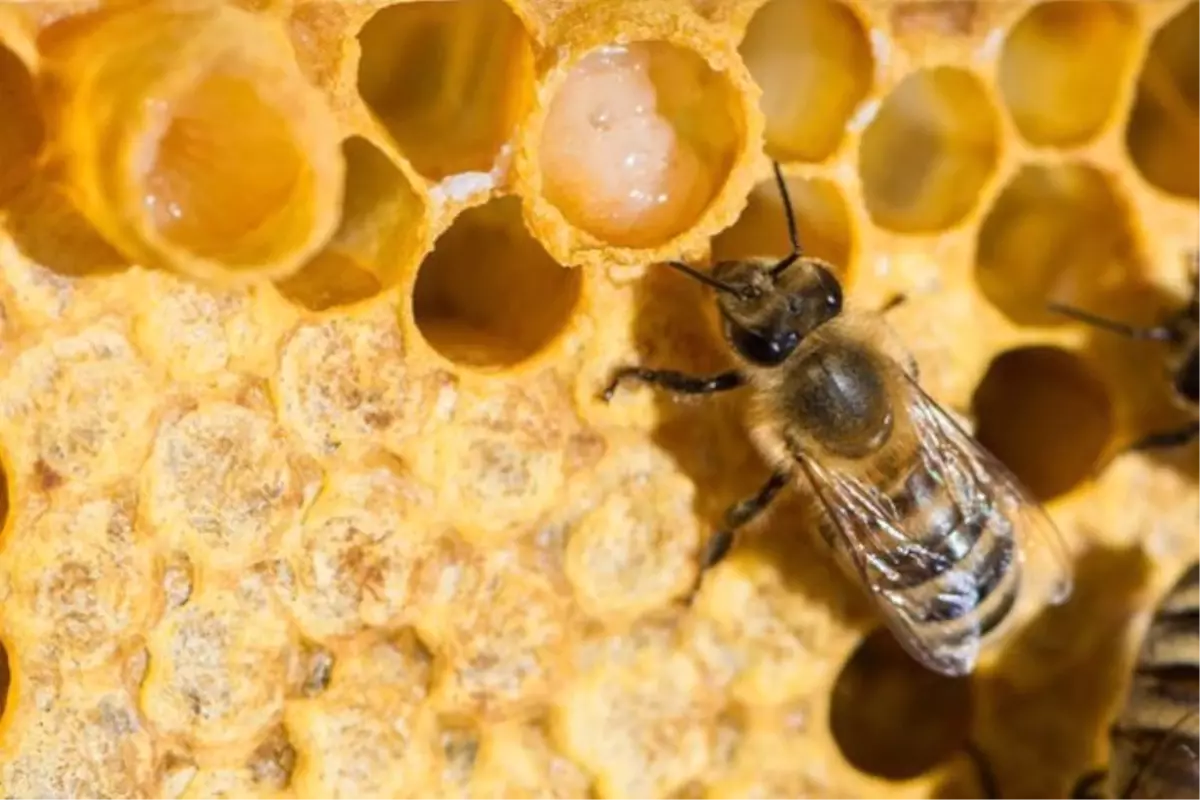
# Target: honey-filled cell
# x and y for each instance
(489, 296)
(1055, 234)
(637, 142)
(449, 80)
(381, 234)
(22, 132)
(822, 222)
(814, 63)
(191, 139)
(1062, 68)
(927, 154)
(1163, 135)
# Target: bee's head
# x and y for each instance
(768, 307)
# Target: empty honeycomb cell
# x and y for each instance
(929, 151)
(142, 98)
(449, 80)
(84, 740)
(1163, 133)
(83, 587)
(344, 385)
(822, 218)
(354, 558)
(489, 296)
(45, 421)
(637, 728)
(382, 233)
(1063, 66)
(1056, 233)
(814, 63)
(223, 485)
(637, 548)
(502, 649)
(370, 734)
(893, 718)
(1045, 414)
(219, 666)
(22, 134)
(638, 141)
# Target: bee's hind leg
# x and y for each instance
(738, 515)
(1090, 786)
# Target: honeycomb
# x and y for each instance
(304, 311)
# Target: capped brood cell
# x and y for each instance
(191, 139)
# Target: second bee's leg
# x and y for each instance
(720, 543)
(1158, 441)
(1090, 786)
(673, 381)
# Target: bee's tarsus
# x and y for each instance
(989, 789)
(1168, 439)
(677, 382)
(1090, 786)
(1158, 333)
(718, 546)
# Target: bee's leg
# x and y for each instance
(989, 789)
(893, 302)
(739, 514)
(676, 382)
(1160, 441)
(1090, 786)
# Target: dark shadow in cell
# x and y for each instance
(50, 231)
(893, 718)
(1042, 707)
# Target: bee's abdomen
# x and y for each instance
(955, 572)
(1156, 738)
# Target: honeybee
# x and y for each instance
(933, 526)
(1155, 740)
(1182, 332)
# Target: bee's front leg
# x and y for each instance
(677, 382)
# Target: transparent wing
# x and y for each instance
(1040, 544)
(884, 555)
(893, 552)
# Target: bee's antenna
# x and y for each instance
(707, 280)
(793, 236)
(1158, 333)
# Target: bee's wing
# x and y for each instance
(946, 445)
(883, 553)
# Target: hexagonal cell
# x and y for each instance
(822, 219)
(1163, 136)
(926, 156)
(893, 718)
(638, 141)
(489, 296)
(174, 183)
(449, 80)
(1045, 414)
(1062, 68)
(380, 234)
(22, 133)
(814, 64)
(1054, 234)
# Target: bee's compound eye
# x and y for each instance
(766, 351)
(833, 291)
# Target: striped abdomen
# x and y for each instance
(1155, 741)
(951, 571)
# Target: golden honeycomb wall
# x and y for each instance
(304, 308)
